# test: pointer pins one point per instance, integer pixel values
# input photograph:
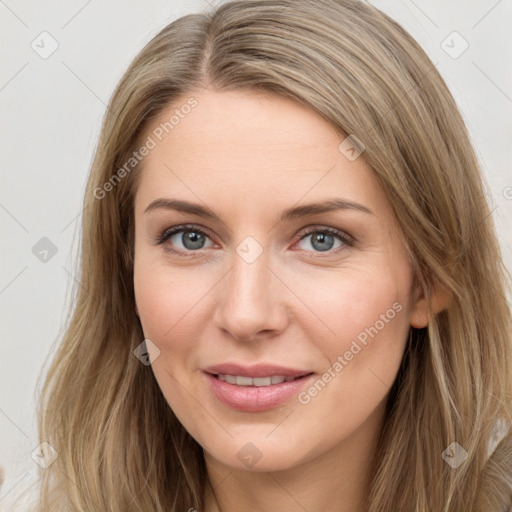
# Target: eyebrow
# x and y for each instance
(296, 212)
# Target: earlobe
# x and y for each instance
(440, 299)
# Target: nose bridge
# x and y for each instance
(250, 301)
(250, 279)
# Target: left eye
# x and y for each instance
(322, 240)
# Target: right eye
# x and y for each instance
(191, 237)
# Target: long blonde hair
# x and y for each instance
(119, 445)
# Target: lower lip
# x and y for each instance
(253, 398)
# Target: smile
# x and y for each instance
(255, 394)
(241, 380)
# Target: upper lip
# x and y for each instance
(258, 370)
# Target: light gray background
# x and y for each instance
(51, 113)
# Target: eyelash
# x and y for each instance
(347, 240)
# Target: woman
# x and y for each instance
(292, 296)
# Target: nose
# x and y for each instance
(252, 301)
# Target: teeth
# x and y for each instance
(256, 381)
(243, 381)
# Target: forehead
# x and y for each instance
(246, 121)
(264, 147)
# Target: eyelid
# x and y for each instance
(343, 235)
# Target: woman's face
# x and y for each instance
(257, 283)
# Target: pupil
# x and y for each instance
(322, 237)
(193, 240)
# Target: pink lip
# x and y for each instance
(254, 398)
(259, 370)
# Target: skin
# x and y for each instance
(248, 157)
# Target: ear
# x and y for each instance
(136, 309)
(423, 309)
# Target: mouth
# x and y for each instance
(242, 380)
(256, 394)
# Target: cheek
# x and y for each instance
(360, 305)
(171, 303)
(367, 311)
